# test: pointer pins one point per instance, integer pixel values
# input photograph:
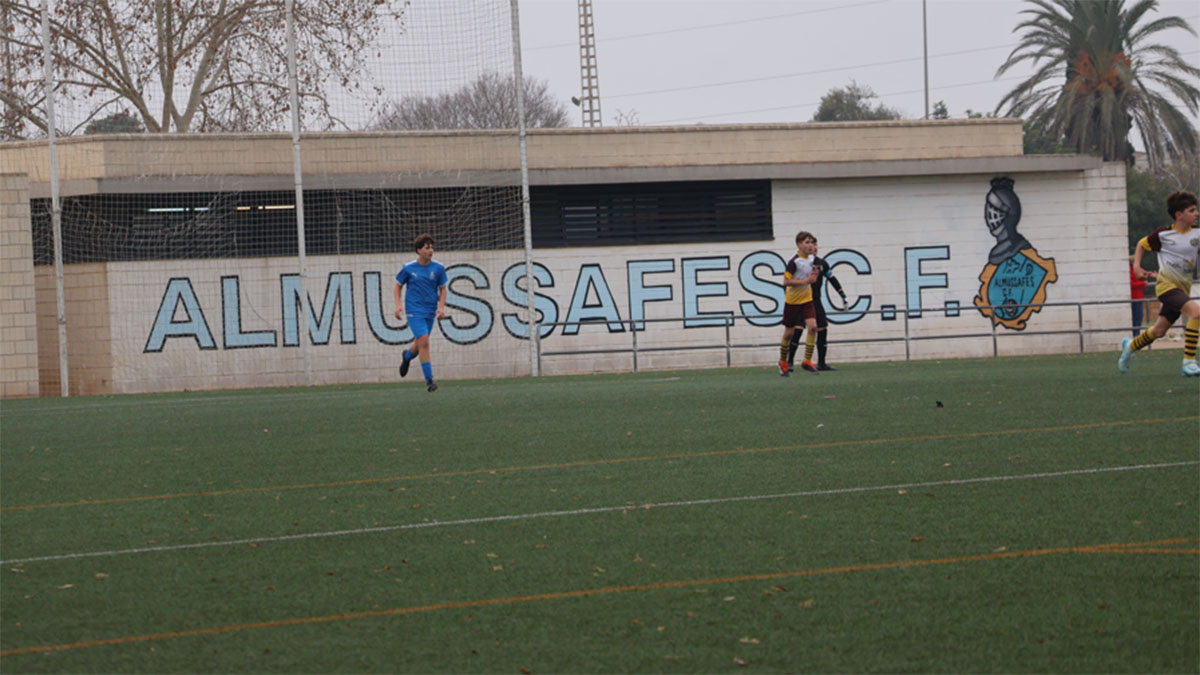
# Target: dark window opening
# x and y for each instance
(182, 226)
(650, 213)
(130, 227)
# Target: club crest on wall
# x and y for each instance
(1013, 283)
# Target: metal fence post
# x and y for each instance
(633, 329)
(728, 343)
(1079, 317)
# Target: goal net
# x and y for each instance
(185, 268)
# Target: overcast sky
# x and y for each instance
(739, 61)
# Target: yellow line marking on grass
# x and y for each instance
(588, 592)
(1191, 551)
(598, 462)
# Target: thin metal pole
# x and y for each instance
(55, 204)
(302, 248)
(728, 343)
(633, 331)
(925, 40)
(1079, 318)
(527, 218)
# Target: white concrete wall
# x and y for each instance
(1076, 218)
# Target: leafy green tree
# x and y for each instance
(1043, 142)
(1145, 198)
(1099, 73)
(852, 104)
(117, 123)
(940, 111)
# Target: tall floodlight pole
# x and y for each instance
(55, 203)
(589, 75)
(304, 333)
(526, 217)
(925, 41)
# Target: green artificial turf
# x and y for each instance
(1042, 518)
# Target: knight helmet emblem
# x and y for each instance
(1013, 283)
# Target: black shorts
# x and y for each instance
(1172, 304)
(794, 315)
(822, 322)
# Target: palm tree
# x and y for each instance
(1099, 75)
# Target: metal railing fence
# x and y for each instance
(907, 337)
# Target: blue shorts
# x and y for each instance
(421, 324)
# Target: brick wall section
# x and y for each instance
(89, 341)
(18, 319)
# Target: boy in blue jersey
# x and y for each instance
(426, 281)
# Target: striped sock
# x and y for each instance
(810, 343)
(1190, 333)
(1142, 341)
(783, 349)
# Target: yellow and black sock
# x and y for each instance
(783, 349)
(1142, 341)
(1190, 332)
(810, 343)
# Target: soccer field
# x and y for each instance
(1003, 515)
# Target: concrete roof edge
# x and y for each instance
(285, 137)
(586, 176)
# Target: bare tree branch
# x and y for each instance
(187, 65)
(487, 103)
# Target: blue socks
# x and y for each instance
(426, 366)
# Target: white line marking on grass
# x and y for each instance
(599, 509)
(137, 401)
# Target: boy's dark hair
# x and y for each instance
(1179, 201)
(420, 241)
(805, 235)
